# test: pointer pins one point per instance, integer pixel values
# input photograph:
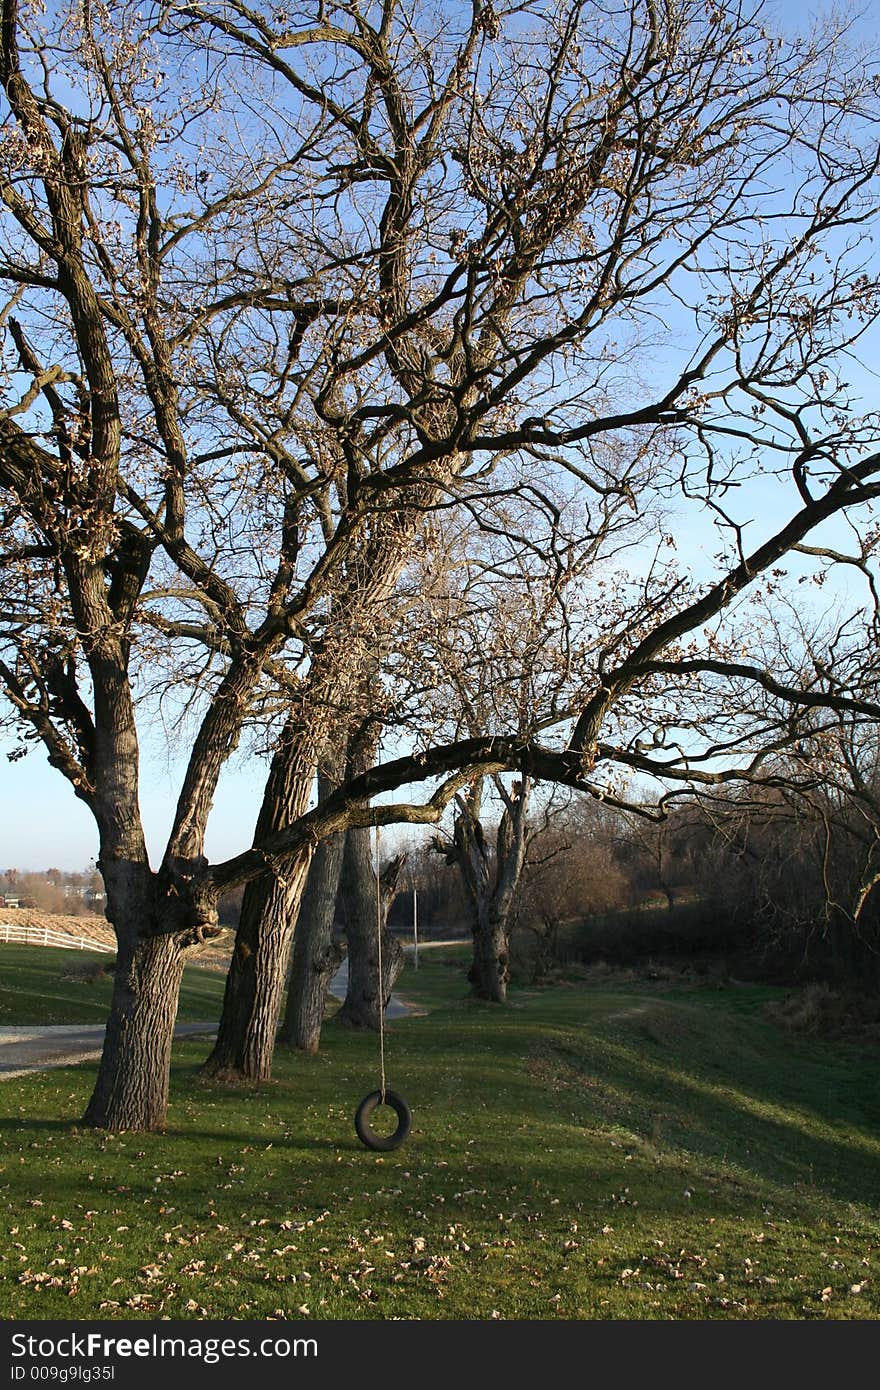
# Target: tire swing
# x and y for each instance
(383, 1143)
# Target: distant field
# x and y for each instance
(44, 985)
(89, 925)
(606, 1149)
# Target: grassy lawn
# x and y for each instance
(591, 1151)
(44, 984)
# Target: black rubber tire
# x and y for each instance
(364, 1129)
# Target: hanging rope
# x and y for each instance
(383, 1096)
(379, 970)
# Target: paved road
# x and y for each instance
(25, 1049)
(396, 1006)
(32, 1048)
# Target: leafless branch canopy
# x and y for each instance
(301, 297)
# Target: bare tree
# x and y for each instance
(804, 859)
(270, 310)
(490, 875)
(572, 871)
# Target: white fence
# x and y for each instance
(45, 936)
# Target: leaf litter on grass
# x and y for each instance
(563, 1164)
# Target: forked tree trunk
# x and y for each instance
(490, 881)
(316, 955)
(365, 912)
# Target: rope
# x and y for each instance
(379, 967)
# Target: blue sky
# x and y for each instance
(44, 825)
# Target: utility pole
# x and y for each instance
(415, 893)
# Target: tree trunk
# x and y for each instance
(365, 912)
(489, 971)
(155, 924)
(490, 881)
(258, 969)
(255, 982)
(131, 1092)
(316, 956)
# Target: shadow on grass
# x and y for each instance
(603, 1100)
(26, 1124)
(784, 1121)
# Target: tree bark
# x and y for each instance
(316, 956)
(258, 969)
(255, 982)
(489, 972)
(131, 1092)
(365, 911)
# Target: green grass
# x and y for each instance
(35, 987)
(600, 1152)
